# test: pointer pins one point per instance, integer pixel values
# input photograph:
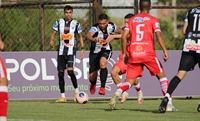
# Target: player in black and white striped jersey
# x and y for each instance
(68, 29)
(100, 51)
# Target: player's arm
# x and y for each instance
(90, 34)
(51, 42)
(82, 45)
(184, 27)
(113, 36)
(162, 44)
(185, 24)
(117, 34)
(124, 43)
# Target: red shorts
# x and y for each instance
(2, 69)
(122, 66)
(135, 70)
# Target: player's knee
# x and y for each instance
(113, 73)
(70, 73)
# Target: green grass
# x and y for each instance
(98, 110)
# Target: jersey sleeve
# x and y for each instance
(156, 25)
(115, 27)
(186, 17)
(93, 29)
(79, 28)
(55, 26)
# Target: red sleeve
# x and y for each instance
(156, 25)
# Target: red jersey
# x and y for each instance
(142, 27)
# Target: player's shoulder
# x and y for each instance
(75, 21)
(111, 23)
(194, 10)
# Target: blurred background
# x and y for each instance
(26, 25)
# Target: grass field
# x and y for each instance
(98, 110)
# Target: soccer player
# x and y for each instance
(100, 51)
(141, 51)
(68, 29)
(120, 68)
(3, 88)
(190, 53)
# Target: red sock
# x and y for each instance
(137, 87)
(164, 85)
(3, 102)
(125, 86)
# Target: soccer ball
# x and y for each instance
(82, 98)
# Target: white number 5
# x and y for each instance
(139, 33)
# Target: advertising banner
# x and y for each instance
(33, 75)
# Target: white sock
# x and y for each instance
(118, 92)
(3, 118)
(119, 84)
(170, 100)
(76, 90)
(63, 95)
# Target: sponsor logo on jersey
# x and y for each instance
(193, 46)
(138, 19)
(67, 36)
(102, 42)
(139, 48)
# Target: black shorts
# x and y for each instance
(94, 59)
(65, 61)
(189, 60)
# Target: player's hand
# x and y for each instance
(96, 39)
(165, 56)
(82, 54)
(124, 58)
(51, 43)
(1, 45)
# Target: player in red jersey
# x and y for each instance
(3, 88)
(141, 51)
(120, 68)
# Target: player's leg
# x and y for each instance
(103, 75)
(61, 82)
(133, 71)
(156, 69)
(139, 91)
(70, 71)
(105, 56)
(187, 62)
(118, 69)
(3, 92)
(93, 70)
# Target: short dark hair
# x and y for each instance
(68, 7)
(102, 16)
(145, 4)
(129, 15)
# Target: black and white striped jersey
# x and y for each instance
(67, 35)
(96, 47)
(192, 36)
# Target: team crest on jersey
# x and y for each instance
(139, 48)
(67, 36)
